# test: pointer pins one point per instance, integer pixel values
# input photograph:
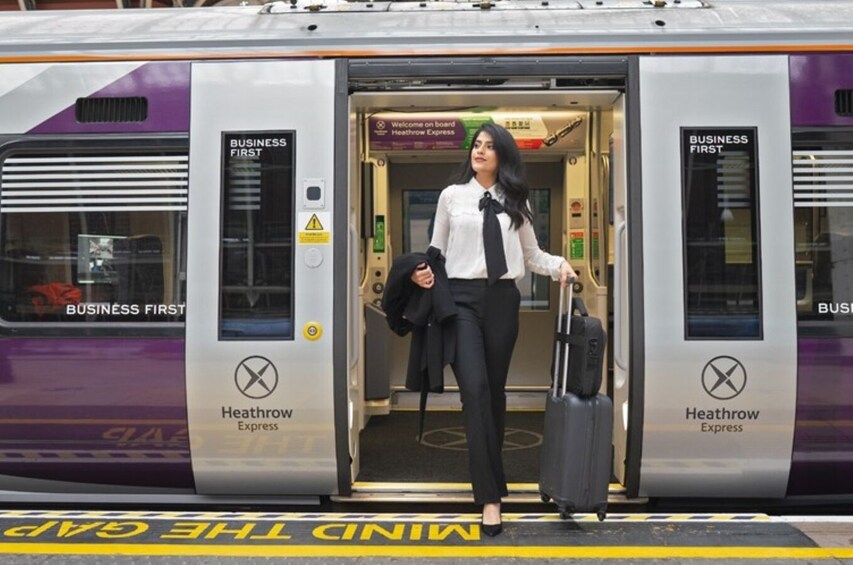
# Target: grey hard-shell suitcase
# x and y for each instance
(576, 447)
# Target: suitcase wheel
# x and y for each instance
(565, 514)
(544, 497)
(601, 515)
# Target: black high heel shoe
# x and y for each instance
(491, 530)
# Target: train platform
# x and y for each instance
(32, 537)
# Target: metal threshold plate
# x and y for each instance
(519, 493)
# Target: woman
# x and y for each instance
(483, 227)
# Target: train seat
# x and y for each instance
(20, 270)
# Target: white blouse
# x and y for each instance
(458, 232)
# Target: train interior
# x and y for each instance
(407, 146)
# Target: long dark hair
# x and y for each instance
(511, 177)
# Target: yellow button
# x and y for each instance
(312, 331)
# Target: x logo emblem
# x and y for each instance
(724, 377)
(252, 379)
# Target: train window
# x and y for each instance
(418, 215)
(823, 230)
(534, 288)
(92, 235)
(721, 252)
(256, 281)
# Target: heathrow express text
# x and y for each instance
(253, 413)
(721, 420)
(436, 128)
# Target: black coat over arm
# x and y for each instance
(429, 314)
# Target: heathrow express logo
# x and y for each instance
(724, 377)
(256, 377)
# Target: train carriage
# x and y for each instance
(198, 210)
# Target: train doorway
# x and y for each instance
(406, 148)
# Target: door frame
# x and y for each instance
(614, 72)
(342, 352)
(636, 292)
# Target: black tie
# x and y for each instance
(492, 240)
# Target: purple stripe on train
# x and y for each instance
(165, 85)
(823, 438)
(95, 411)
(814, 80)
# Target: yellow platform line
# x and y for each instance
(152, 516)
(478, 551)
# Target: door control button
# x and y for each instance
(312, 331)
(313, 257)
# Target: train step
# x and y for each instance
(519, 493)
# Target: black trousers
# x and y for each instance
(486, 330)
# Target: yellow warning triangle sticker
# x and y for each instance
(314, 224)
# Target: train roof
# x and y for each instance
(334, 28)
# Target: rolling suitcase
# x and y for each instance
(575, 459)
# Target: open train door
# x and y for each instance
(720, 370)
(621, 324)
(266, 327)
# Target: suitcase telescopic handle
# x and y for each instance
(564, 328)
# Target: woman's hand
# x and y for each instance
(422, 276)
(567, 274)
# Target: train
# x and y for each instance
(199, 209)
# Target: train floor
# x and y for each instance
(31, 537)
(390, 451)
